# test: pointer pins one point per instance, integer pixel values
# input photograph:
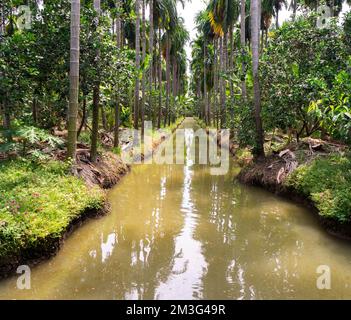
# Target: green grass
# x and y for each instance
(327, 182)
(39, 201)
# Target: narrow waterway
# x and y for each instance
(178, 232)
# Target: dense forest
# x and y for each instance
(75, 74)
(296, 73)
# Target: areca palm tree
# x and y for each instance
(163, 16)
(74, 80)
(255, 42)
(143, 82)
(119, 45)
(179, 38)
(203, 21)
(96, 97)
(223, 14)
(151, 52)
(137, 64)
(243, 46)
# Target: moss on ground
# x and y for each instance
(39, 201)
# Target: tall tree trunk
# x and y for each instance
(154, 112)
(103, 117)
(215, 80)
(225, 64)
(96, 98)
(117, 120)
(151, 53)
(119, 45)
(7, 118)
(221, 82)
(174, 82)
(231, 58)
(231, 67)
(243, 46)
(168, 80)
(255, 41)
(74, 80)
(2, 19)
(84, 116)
(205, 82)
(137, 64)
(159, 80)
(95, 124)
(35, 109)
(143, 82)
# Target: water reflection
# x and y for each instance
(189, 264)
(177, 232)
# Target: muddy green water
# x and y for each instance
(177, 232)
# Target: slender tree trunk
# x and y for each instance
(96, 98)
(84, 116)
(103, 117)
(119, 45)
(117, 120)
(231, 67)
(225, 60)
(255, 41)
(160, 80)
(123, 38)
(137, 64)
(168, 80)
(95, 124)
(3, 105)
(74, 80)
(7, 118)
(221, 82)
(243, 47)
(155, 109)
(231, 59)
(151, 52)
(2, 19)
(174, 82)
(205, 82)
(35, 109)
(143, 82)
(215, 79)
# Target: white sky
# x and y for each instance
(189, 12)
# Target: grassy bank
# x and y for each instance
(314, 171)
(327, 183)
(39, 201)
